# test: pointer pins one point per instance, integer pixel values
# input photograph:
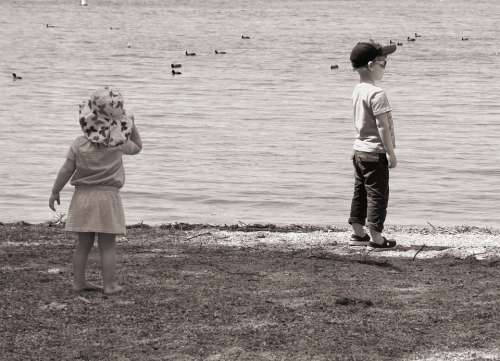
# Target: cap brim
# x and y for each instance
(388, 49)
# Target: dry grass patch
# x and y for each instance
(189, 300)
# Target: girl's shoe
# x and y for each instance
(388, 243)
(359, 241)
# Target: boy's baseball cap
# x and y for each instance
(364, 52)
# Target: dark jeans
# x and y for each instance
(371, 190)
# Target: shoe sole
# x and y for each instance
(377, 246)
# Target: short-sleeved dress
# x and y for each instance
(96, 205)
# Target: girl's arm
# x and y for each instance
(134, 144)
(135, 137)
(62, 178)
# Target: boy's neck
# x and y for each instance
(366, 76)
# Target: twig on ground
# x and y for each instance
(474, 254)
(198, 235)
(420, 249)
(83, 299)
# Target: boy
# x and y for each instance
(373, 147)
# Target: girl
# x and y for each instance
(94, 165)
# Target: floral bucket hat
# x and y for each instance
(103, 119)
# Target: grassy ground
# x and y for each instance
(190, 300)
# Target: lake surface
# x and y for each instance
(263, 133)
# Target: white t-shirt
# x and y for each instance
(369, 101)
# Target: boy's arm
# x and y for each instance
(62, 178)
(384, 129)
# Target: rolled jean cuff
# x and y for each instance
(356, 220)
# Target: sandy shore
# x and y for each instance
(427, 241)
(412, 241)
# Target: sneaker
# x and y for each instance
(388, 243)
(359, 241)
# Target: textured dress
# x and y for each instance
(98, 175)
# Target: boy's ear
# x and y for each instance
(370, 65)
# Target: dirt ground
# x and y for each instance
(190, 296)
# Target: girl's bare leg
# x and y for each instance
(83, 246)
(107, 248)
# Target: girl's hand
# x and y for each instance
(53, 198)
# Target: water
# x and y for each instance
(263, 133)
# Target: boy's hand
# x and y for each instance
(53, 198)
(393, 162)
